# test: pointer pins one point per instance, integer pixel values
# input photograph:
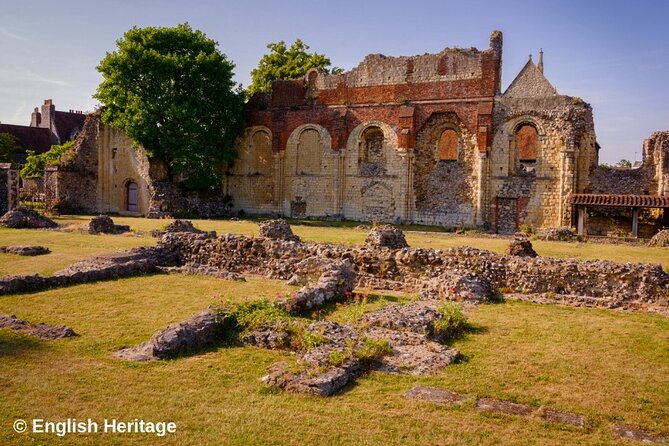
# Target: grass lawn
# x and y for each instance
(609, 366)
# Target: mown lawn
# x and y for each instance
(609, 366)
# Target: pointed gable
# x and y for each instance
(530, 83)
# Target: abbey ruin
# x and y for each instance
(428, 139)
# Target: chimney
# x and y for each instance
(49, 120)
(35, 118)
(540, 65)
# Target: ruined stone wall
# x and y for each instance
(119, 164)
(446, 191)
(9, 187)
(95, 178)
(407, 269)
(72, 186)
(324, 118)
(651, 178)
(536, 193)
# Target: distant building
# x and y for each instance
(47, 127)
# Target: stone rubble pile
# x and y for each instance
(191, 335)
(562, 234)
(41, 330)
(277, 230)
(179, 226)
(104, 267)
(23, 217)
(335, 283)
(521, 247)
(103, 224)
(25, 250)
(386, 236)
(661, 239)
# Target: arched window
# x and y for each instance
(261, 150)
(132, 197)
(447, 147)
(527, 141)
(371, 149)
(308, 152)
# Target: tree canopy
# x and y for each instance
(55, 156)
(171, 90)
(286, 63)
(8, 147)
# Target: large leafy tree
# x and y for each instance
(286, 63)
(8, 147)
(171, 90)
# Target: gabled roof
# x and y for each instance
(530, 83)
(67, 123)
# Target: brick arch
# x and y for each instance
(251, 156)
(440, 186)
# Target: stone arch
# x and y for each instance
(527, 141)
(305, 149)
(370, 149)
(260, 148)
(249, 150)
(445, 185)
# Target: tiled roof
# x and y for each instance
(29, 138)
(66, 123)
(643, 201)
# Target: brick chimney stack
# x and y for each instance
(35, 118)
(49, 120)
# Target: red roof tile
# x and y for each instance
(643, 201)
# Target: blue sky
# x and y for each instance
(613, 54)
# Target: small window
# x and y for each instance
(448, 145)
(527, 141)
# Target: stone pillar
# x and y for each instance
(566, 187)
(582, 220)
(51, 189)
(338, 183)
(5, 188)
(479, 217)
(406, 185)
(635, 222)
(278, 156)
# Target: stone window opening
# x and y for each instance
(371, 158)
(527, 145)
(448, 145)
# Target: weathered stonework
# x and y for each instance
(427, 139)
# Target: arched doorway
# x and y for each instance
(132, 197)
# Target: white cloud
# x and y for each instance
(10, 34)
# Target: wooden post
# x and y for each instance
(635, 222)
(582, 211)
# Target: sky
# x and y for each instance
(613, 54)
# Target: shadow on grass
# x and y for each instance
(13, 344)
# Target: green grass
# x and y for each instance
(609, 366)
